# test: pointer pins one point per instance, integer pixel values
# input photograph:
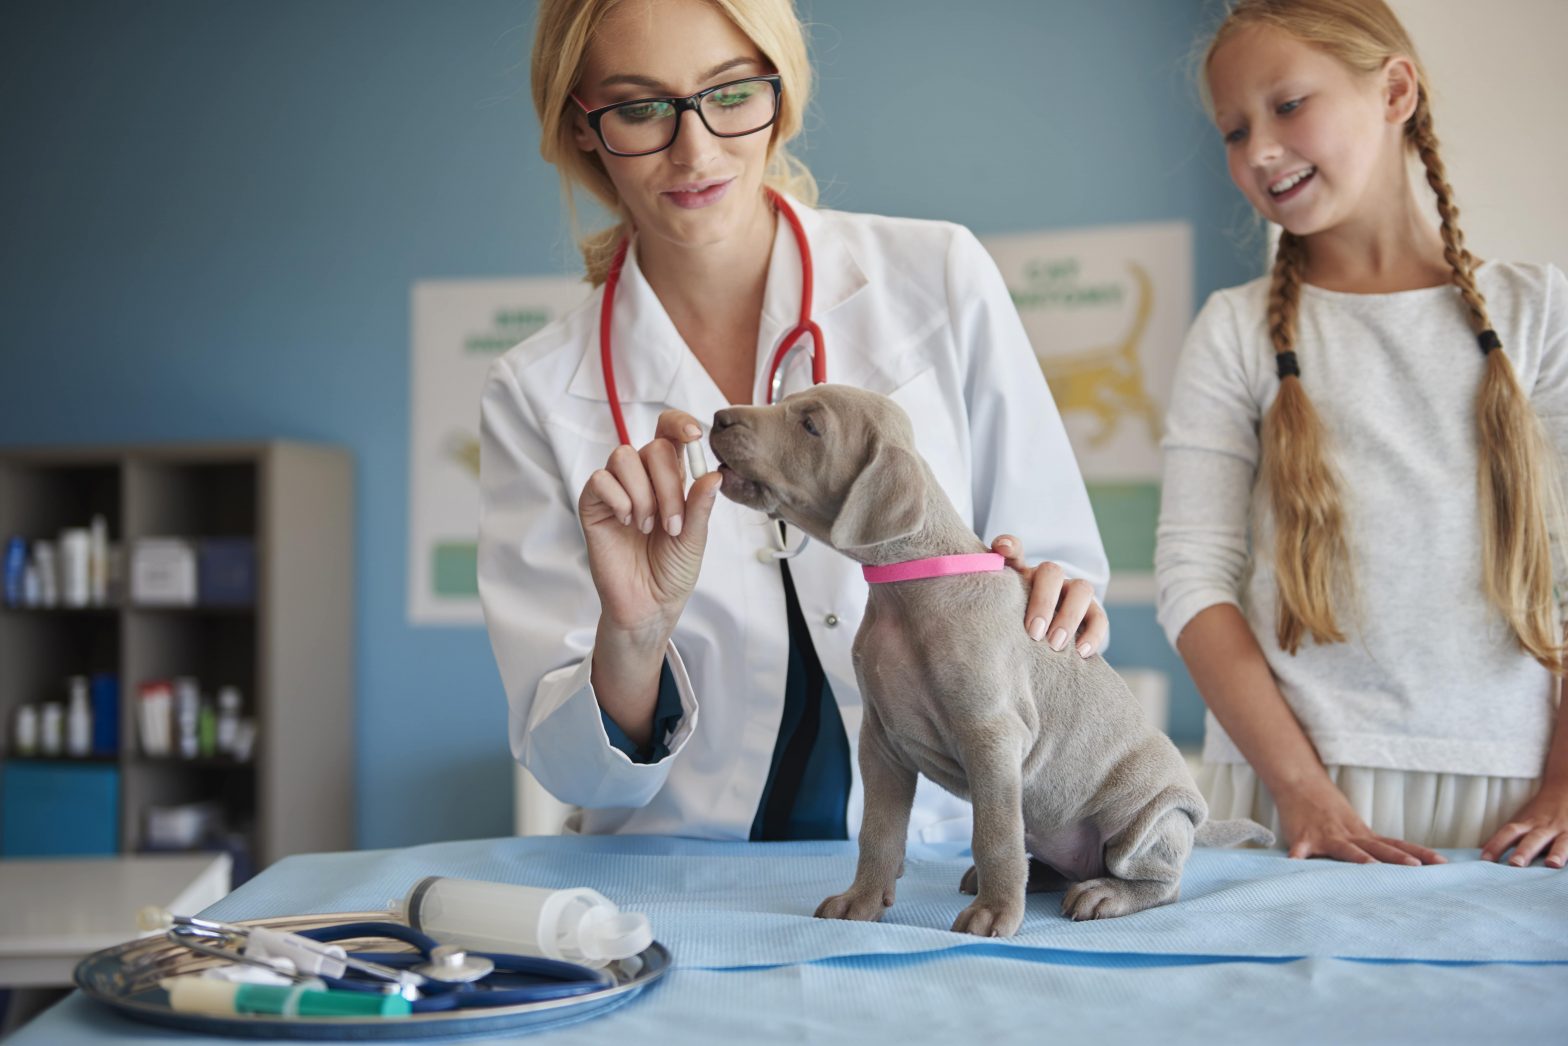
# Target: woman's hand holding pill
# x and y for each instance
(646, 534)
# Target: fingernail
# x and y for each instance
(1085, 649)
(626, 520)
(1517, 862)
(1555, 862)
(1059, 639)
(674, 526)
(692, 431)
(1037, 629)
(647, 525)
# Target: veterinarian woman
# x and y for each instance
(666, 672)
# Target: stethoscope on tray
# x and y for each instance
(454, 979)
(434, 977)
(791, 341)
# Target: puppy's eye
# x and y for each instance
(809, 425)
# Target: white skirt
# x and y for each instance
(1453, 811)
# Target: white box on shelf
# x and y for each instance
(163, 572)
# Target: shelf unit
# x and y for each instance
(291, 653)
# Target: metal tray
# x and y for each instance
(125, 978)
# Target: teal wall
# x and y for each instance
(211, 213)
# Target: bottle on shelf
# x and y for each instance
(48, 573)
(187, 713)
(98, 561)
(27, 730)
(32, 584)
(50, 733)
(15, 570)
(207, 731)
(75, 552)
(154, 707)
(228, 718)
(79, 720)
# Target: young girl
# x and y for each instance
(1386, 649)
(668, 669)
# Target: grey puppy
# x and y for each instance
(1071, 786)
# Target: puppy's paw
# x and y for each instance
(1107, 898)
(860, 905)
(970, 883)
(990, 920)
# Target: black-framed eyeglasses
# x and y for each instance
(649, 125)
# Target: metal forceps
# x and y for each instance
(294, 956)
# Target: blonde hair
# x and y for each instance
(566, 29)
(1519, 489)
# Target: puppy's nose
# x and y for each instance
(725, 418)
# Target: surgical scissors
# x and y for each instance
(296, 956)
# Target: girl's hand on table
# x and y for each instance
(1324, 825)
(1539, 828)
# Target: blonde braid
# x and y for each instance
(1311, 555)
(1460, 261)
(1519, 485)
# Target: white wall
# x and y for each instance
(1500, 87)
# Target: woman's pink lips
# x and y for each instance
(693, 200)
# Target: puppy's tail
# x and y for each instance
(1233, 833)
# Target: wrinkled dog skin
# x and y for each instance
(1071, 786)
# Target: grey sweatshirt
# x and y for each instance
(1430, 678)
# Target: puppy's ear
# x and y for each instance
(887, 501)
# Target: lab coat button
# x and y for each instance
(831, 621)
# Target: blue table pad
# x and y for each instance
(956, 997)
(723, 906)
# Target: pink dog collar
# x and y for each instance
(935, 566)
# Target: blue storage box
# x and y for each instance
(226, 571)
(57, 809)
(105, 690)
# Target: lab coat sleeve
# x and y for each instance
(667, 717)
(542, 610)
(1026, 480)
(1211, 459)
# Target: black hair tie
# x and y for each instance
(1286, 362)
(1488, 340)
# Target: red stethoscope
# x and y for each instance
(792, 340)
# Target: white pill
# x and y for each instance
(696, 460)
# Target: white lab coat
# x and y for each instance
(913, 309)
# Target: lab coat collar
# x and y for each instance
(838, 277)
(651, 356)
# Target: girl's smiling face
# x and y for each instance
(1310, 142)
(703, 188)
